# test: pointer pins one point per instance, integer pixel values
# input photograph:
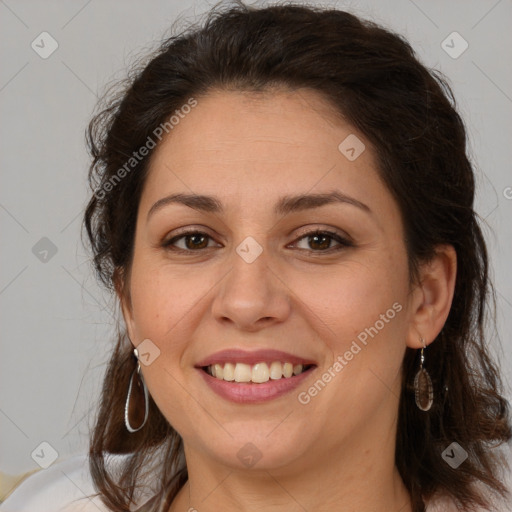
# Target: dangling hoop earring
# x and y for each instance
(136, 375)
(423, 389)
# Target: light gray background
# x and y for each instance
(57, 324)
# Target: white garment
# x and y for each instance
(66, 485)
(62, 487)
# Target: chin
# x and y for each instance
(264, 450)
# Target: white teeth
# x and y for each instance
(258, 373)
(218, 371)
(276, 370)
(242, 372)
(287, 369)
(229, 372)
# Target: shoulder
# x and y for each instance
(65, 486)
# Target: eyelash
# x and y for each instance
(344, 243)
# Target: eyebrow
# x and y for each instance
(284, 206)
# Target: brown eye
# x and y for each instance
(193, 240)
(320, 241)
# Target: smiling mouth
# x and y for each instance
(258, 373)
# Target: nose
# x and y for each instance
(251, 295)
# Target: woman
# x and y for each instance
(283, 204)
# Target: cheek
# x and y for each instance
(354, 295)
(366, 316)
(159, 289)
(165, 308)
(159, 298)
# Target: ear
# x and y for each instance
(432, 297)
(121, 286)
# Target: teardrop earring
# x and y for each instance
(136, 399)
(423, 389)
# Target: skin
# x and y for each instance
(337, 451)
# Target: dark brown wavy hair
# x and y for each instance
(373, 80)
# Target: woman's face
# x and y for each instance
(257, 279)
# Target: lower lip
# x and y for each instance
(247, 392)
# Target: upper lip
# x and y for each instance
(252, 357)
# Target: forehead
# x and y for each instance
(226, 119)
(253, 147)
